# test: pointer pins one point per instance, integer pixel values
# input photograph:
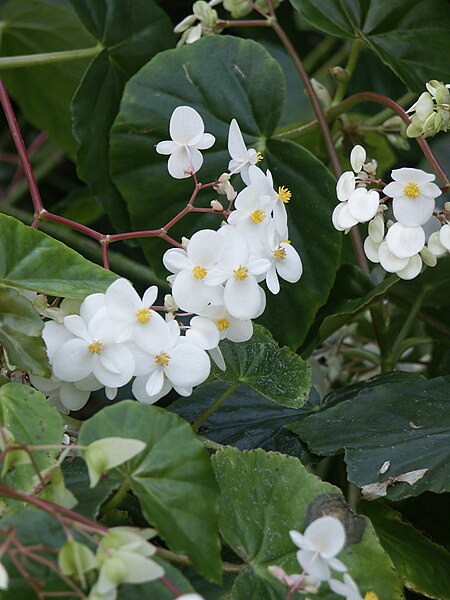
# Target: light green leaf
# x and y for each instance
(398, 31)
(32, 260)
(130, 39)
(172, 478)
(405, 424)
(44, 92)
(277, 374)
(263, 496)
(20, 333)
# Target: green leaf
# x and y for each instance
(172, 478)
(222, 78)
(130, 39)
(277, 374)
(352, 293)
(26, 413)
(20, 333)
(399, 32)
(44, 92)
(312, 234)
(407, 547)
(264, 496)
(406, 424)
(32, 260)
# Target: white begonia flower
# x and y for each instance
(241, 158)
(284, 259)
(403, 241)
(444, 237)
(4, 579)
(342, 218)
(167, 361)
(389, 261)
(224, 188)
(434, 244)
(203, 332)
(322, 540)
(64, 395)
(412, 269)
(93, 351)
(357, 158)
(228, 327)
(191, 267)
(413, 196)
(345, 185)
(130, 317)
(347, 588)
(295, 580)
(238, 271)
(363, 204)
(263, 183)
(188, 135)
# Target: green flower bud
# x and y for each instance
(76, 559)
(107, 453)
(116, 569)
(237, 8)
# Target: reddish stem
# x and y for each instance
(171, 586)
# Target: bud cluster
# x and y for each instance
(431, 112)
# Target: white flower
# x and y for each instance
(413, 195)
(342, 218)
(228, 327)
(403, 241)
(241, 158)
(348, 588)
(191, 267)
(345, 186)
(284, 259)
(64, 395)
(167, 361)
(405, 268)
(322, 540)
(4, 579)
(357, 158)
(252, 215)
(363, 204)
(188, 138)
(203, 332)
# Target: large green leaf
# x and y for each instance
(222, 78)
(312, 234)
(398, 31)
(407, 547)
(172, 478)
(131, 35)
(404, 424)
(44, 92)
(277, 374)
(20, 333)
(32, 260)
(263, 496)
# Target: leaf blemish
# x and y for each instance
(241, 73)
(188, 77)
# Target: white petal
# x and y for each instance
(357, 158)
(176, 260)
(376, 229)
(205, 247)
(140, 568)
(179, 163)
(108, 363)
(363, 205)
(444, 237)
(191, 294)
(239, 330)
(72, 397)
(314, 565)
(412, 212)
(236, 145)
(404, 242)
(428, 257)
(73, 361)
(430, 190)
(371, 249)
(217, 357)
(272, 280)
(203, 333)
(344, 218)
(141, 395)
(166, 147)
(345, 185)
(206, 141)
(189, 365)
(290, 268)
(54, 335)
(407, 174)
(154, 382)
(186, 125)
(91, 305)
(121, 299)
(76, 325)
(326, 534)
(390, 262)
(242, 298)
(412, 269)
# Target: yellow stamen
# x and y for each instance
(411, 190)
(241, 273)
(199, 272)
(96, 347)
(371, 596)
(258, 216)
(144, 315)
(259, 157)
(222, 324)
(284, 194)
(286, 242)
(280, 252)
(162, 359)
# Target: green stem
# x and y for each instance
(47, 58)
(350, 67)
(296, 132)
(214, 406)
(384, 114)
(410, 319)
(117, 498)
(319, 53)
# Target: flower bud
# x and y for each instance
(216, 205)
(322, 94)
(428, 257)
(107, 453)
(116, 569)
(75, 558)
(339, 73)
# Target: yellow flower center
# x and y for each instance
(162, 359)
(259, 157)
(96, 347)
(144, 315)
(371, 596)
(222, 324)
(240, 273)
(258, 216)
(284, 194)
(280, 252)
(199, 272)
(411, 190)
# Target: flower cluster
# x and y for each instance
(400, 247)
(318, 547)
(431, 112)
(216, 276)
(202, 21)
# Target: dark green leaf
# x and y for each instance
(408, 547)
(263, 496)
(33, 260)
(399, 32)
(44, 92)
(277, 374)
(20, 333)
(222, 78)
(406, 424)
(131, 35)
(172, 478)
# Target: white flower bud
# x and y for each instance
(357, 158)
(216, 205)
(169, 303)
(428, 257)
(322, 94)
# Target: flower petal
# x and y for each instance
(186, 126)
(403, 241)
(412, 212)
